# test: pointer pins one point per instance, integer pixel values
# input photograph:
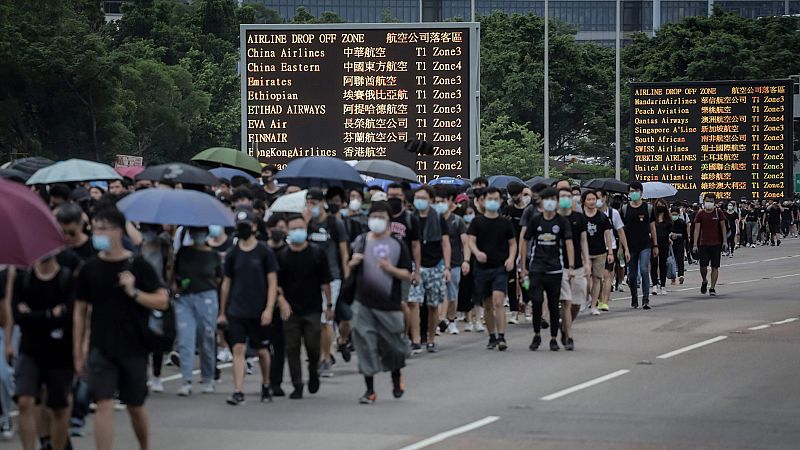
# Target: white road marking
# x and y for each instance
(454, 432)
(787, 276)
(790, 320)
(740, 282)
(760, 327)
(194, 372)
(691, 347)
(585, 385)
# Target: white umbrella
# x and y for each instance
(657, 189)
(294, 202)
(73, 170)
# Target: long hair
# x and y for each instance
(667, 217)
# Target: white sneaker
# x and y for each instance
(469, 327)
(185, 390)
(224, 355)
(438, 333)
(595, 312)
(209, 388)
(479, 328)
(753, 246)
(583, 307)
(156, 386)
(452, 328)
(513, 318)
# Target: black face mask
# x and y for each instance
(266, 180)
(244, 230)
(396, 205)
(277, 235)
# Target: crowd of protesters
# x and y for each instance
(376, 272)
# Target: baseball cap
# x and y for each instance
(244, 215)
(315, 194)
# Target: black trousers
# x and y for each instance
(302, 330)
(679, 249)
(542, 283)
(278, 344)
(658, 264)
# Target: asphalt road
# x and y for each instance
(692, 373)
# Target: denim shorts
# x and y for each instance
(452, 286)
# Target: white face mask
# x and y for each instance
(708, 205)
(354, 205)
(377, 225)
(526, 200)
(549, 204)
(599, 203)
(576, 199)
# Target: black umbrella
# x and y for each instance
(387, 170)
(14, 175)
(539, 179)
(31, 165)
(178, 173)
(607, 184)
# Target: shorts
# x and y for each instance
(30, 376)
(599, 263)
(488, 281)
(566, 286)
(431, 288)
(336, 286)
(452, 286)
(248, 331)
(126, 375)
(709, 254)
(578, 287)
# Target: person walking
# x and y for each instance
(640, 232)
(709, 231)
(599, 239)
(658, 263)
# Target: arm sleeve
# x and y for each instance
(566, 227)
(341, 231)
(82, 286)
(270, 261)
(617, 220)
(529, 231)
(229, 260)
(322, 264)
(443, 225)
(404, 261)
(473, 227)
(146, 276)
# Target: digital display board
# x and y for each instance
(730, 138)
(360, 91)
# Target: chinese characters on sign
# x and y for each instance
(730, 138)
(361, 93)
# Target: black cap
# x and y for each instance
(244, 215)
(315, 194)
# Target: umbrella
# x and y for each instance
(538, 179)
(384, 184)
(607, 184)
(320, 171)
(30, 165)
(657, 189)
(29, 230)
(449, 181)
(229, 173)
(502, 181)
(129, 172)
(175, 207)
(178, 173)
(73, 170)
(290, 203)
(14, 175)
(385, 169)
(228, 157)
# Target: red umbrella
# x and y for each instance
(129, 172)
(28, 230)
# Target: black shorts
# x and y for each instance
(248, 331)
(30, 376)
(125, 375)
(488, 281)
(611, 267)
(709, 254)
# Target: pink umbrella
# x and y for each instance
(129, 172)
(28, 230)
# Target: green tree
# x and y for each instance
(509, 148)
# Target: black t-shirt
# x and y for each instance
(762, 213)
(202, 269)
(515, 215)
(752, 215)
(491, 237)
(529, 213)
(787, 214)
(595, 233)
(547, 239)
(117, 320)
(301, 275)
(774, 216)
(578, 225)
(46, 339)
(406, 228)
(248, 273)
(456, 227)
(432, 251)
(663, 229)
(73, 258)
(679, 227)
(637, 227)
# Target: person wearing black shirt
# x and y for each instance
(640, 231)
(405, 226)
(787, 217)
(599, 238)
(303, 276)
(549, 234)
(679, 236)
(247, 302)
(121, 290)
(732, 216)
(773, 215)
(514, 211)
(271, 190)
(277, 240)
(573, 290)
(492, 242)
(459, 252)
(42, 307)
(658, 264)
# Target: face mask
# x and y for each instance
(298, 236)
(277, 235)
(396, 205)
(420, 204)
(674, 217)
(215, 230)
(565, 203)
(440, 208)
(266, 180)
(708, 205)
(355, 205)
(731, 208)
(199, 238)
(316, 211)
(635, 196)
(526, 200)
(101, 243)
(549, 204)
(344, 212)
(377, 225)
(468, 218)
(492, 205)
(576, 199)
(244, 230)
(599, 203)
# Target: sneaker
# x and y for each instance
(655, 290)
(513, 318)
(236, 399)
(479, 327)
(603, 306)
(277, 390)
(249, 368)
(209, 388)
(595, 312)
(681, 279)
(452, 329)
(325, 369)
(266, 393)
(753, 246)
(175, 358)
(704, 287)
(437, 332)
(432, 348)
(712, 292)
(313, 384)
(502, 345)
(442, 326)
(469, 327)
(7, 428)
(156, 386)
(554, 345)
(570, 345)
(74, 431)
(635, 304)
(368, 398)
(345, 351)
(492, 343)
(298, 392)
(646, 306)
(185, 390)
(535, 343)
(416, 349)
(398, 387)
(224, 355)
(584, 307)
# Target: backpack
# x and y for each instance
(625, 211)
(159, 331)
